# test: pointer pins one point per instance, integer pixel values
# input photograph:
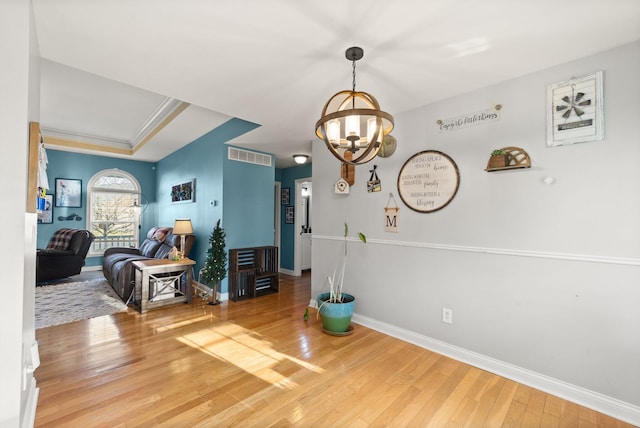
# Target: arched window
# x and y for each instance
(113, 210)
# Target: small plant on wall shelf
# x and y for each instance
(498, 159)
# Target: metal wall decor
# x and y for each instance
(374, 185)
(575, 112)
(428, 181)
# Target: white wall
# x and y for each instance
(16, 316)
(543, 280)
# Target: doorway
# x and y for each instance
(276, 218)
(303, 225)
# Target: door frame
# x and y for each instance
(297, 227)
(277, 215)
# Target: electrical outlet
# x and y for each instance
(447, 315)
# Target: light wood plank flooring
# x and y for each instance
(258, 363)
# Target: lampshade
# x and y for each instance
(300, 159)
(183, 226)
(353, 121)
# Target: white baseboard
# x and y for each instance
(91, 268)
(287, 272)
(29, 416)
(610, 406)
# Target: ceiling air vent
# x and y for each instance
(248, 156)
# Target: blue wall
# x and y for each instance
(240, 194)
(83, 167)
(287, 178)
(248, 204)
(221, 185)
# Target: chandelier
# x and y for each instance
(352, 124)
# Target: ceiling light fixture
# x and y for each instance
(345, 116)
(300, 159)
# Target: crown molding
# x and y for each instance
(72, 139)
(166, 112)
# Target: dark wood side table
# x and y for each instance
(161, 282)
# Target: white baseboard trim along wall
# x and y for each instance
(593, 400)
(598, 401)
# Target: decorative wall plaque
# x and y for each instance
(575, 111)
(428, 181)
(341, 187)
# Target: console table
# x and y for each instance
(161, 282)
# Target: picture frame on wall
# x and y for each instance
(68, 193)
(184, 192)
(285, 196)
(45, 216)
(289, 214)
(575, 110)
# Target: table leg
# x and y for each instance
(144, 283)
(189, 288)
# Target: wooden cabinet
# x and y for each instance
(253, 272)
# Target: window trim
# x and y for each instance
(90, 190)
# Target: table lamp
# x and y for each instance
(182, 227)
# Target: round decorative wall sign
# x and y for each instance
(428, 181)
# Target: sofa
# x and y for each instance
(64, 256)
(116, 264)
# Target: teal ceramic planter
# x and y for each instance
(336, 317)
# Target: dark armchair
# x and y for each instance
(64, 255)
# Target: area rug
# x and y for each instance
(73, 301)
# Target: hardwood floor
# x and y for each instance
(257, 363)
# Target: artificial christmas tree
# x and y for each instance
(215, 267)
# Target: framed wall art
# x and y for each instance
(428, 181)
(184, 192)
(68, 192)
(289, 212)
(575, 112)
(285, 196)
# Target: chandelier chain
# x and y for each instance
(354, 75)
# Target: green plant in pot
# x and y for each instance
(336, 307)
(498, 159)
(215, 266)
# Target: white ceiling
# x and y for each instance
(114, 69)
